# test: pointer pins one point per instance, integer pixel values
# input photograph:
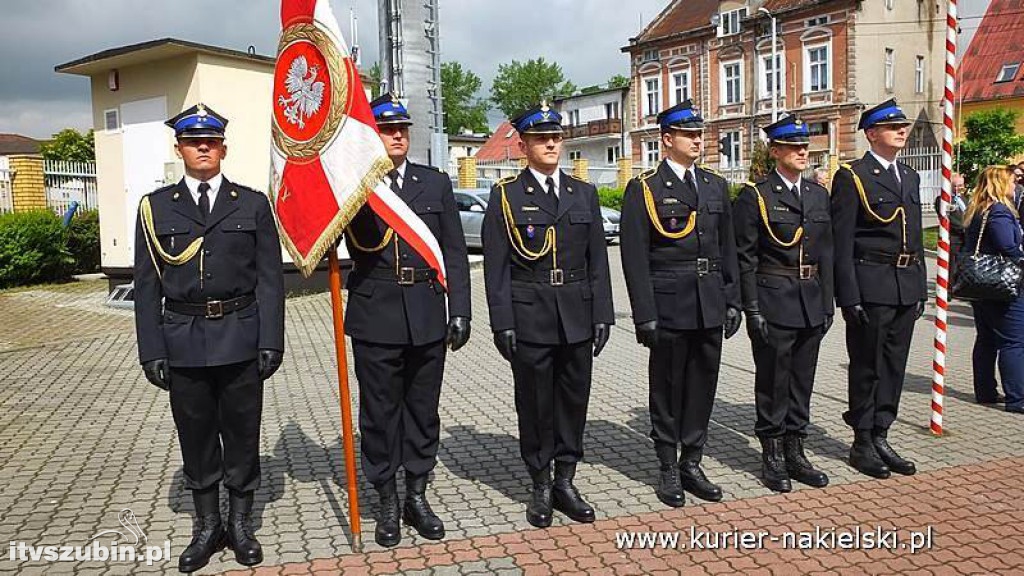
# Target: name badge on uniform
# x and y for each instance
(531, 208)
(670, 201)
(780, 208)
(530, 231)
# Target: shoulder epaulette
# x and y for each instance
(707, 168)
(427, 166)
(162, 189)
(847, 166)
(577, 178)
(507, 180)
(647, 173)
(751, 184)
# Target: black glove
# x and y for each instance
(919, 311)
(268, 362)
(647, 334)
(505, 341)
(732, 321)
(158, 373)
(828, 324)
(601, 333)
(757, 327)
(856, 315)
(458, 332)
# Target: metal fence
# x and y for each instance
(928, 163)
(6, 194)
(68, 182)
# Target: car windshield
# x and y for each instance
(611, 214)
(483, 197)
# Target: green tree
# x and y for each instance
(761, 162)
(520, 85)
(70, 145)
(375, 75)
(462, 109)
(618, 81)
(991, 139)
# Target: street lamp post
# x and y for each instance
(773, 86)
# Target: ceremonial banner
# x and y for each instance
(327, 158)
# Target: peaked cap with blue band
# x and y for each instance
(887, 112)
(388, 110)
(682, 116)
(538, 120)
(199, 121)
(789, 130)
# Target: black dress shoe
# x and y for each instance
(797, 465)
(695, 482)
(538, 511)
(773, 465)
(894, 461)
(1015, 409)
(388, 532)
(566, 498)
(241, 534)
(208, 538)
(997, 399)
(864, 457)
(417, 512)
(670, 489)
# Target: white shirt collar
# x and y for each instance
(543, 178)
(193, 187)
(681, 171)
(885, 163)
(789, 185)
(401, 171)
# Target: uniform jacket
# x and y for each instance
(682, 299)
(856, 233)
(241, 254)
(539, 312)
(784, 300)
(381, 310)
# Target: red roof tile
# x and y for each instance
(502, 145)
(998, 41)
(687, 15)
(17, 144)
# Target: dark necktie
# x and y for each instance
(550, 183)
(204, 200)
(394, 181)
(690, 183)
(796, 191)
(895, 174)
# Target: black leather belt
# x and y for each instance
(211, 309)
(553, 277)
(901, 260)
(701, 266)
(406, 276)
(805, 272)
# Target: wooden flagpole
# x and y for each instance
(343, 398)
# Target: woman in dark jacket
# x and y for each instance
(1000, 325)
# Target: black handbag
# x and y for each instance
(990, 277)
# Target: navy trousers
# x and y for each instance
(1000, 329)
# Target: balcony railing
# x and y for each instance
(596, 128)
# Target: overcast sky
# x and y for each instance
(584, 36)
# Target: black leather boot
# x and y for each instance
(417, 512)
(388, 532)
(208, 535)
(566, 497)
(773, 465)
(693, 479)
(670, 489)
(538, 511)
(798, 466)
(864, 457)
(241, 534)
(896, 463)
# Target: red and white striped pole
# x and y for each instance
(942, 277)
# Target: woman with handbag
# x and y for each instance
(990, 278)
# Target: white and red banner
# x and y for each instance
(327, 158)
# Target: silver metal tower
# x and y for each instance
(410, 54)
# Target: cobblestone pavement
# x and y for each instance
(83, 436)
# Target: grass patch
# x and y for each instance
(931, 238)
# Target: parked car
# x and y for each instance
(611, 218)
(472, 203)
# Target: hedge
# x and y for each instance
(33, 249)
(84, 242)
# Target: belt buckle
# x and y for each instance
(703, 266)
(406, 276)
(903, 260)
(806, 271)
(214, 309)
(557, 277)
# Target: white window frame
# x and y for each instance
(735, 156)
(890, 69)
(611, 111)
(615, 152)
(919, 73)
(651, 55)
(106, 120)
(652, 107)
(764, 86)
(817, 21)
(725, 83)
(1013, 68)
(652, 152)
(680, 90)
(808, 48)
(574, 117)
(730, 22)
(575, 155)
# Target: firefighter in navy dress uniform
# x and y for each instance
(550, 302)
(679, 258)
(209, 316)
(881, 283)
(784, 245)
(400, 327)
